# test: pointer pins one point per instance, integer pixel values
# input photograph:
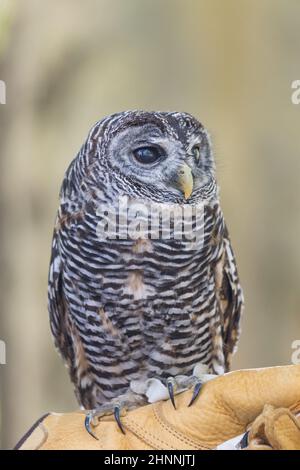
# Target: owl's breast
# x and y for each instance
(146, 303)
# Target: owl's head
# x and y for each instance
(159, 156)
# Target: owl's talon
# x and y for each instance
(117, 416)
(88, 425)
(115, 408)
(196, 391)
(88, 422)
(170, 385)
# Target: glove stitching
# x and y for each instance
(170, 428)
(146, 437)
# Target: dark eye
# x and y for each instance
(148, 155)
(196, 152)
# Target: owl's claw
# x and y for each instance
(170, 385)
(88, 422)
(116, 407)
(117, 416)
(181, 383)
(88, 425)
(196, 391)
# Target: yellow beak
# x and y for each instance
(185, 180)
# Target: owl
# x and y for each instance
(131, 306)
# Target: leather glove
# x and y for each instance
(276, 429)
(225, 408)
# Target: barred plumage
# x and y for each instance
(125, 309)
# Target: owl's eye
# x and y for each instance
(196, 152)
(148, 155)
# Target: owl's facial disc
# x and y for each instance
(159, 162)
(151, 154)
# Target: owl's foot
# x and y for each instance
(180, 383)
(157, 389)
(116, 407)
(151, 391)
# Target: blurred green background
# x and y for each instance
(66, 64)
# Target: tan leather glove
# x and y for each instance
(225, 408)
(276, 429)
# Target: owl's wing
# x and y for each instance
(66, 337)
(59, 318)
(231, 300)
